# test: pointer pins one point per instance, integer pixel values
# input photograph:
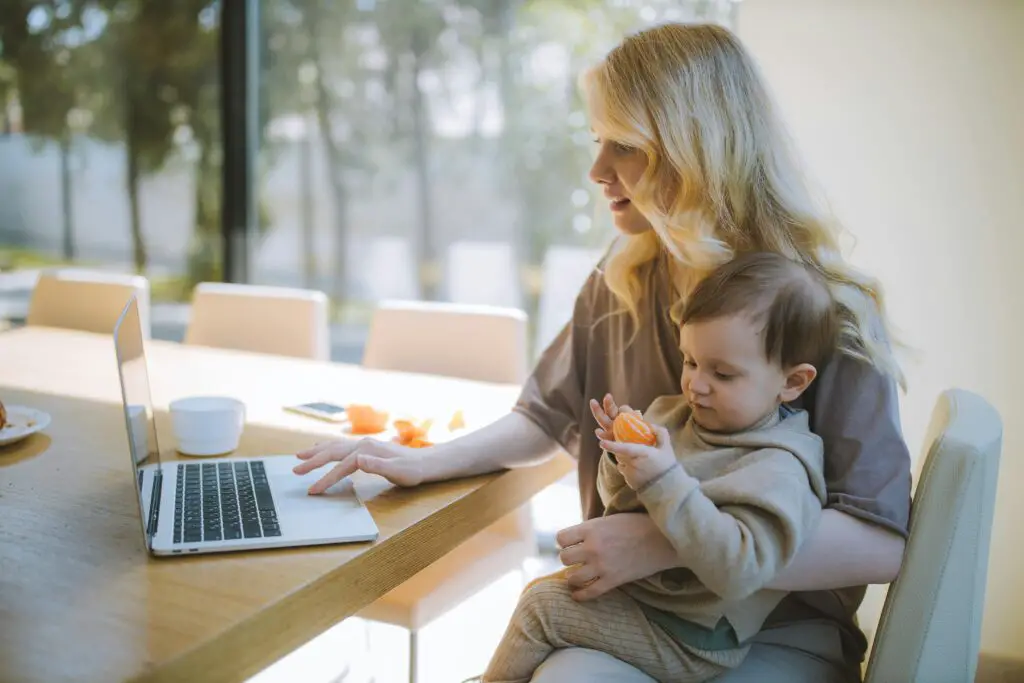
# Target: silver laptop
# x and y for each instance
(215, 505)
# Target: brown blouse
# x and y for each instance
(852, 406)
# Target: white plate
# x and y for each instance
(22, 422)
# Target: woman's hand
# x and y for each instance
(511, 441)
(400, 465)
(607, 552)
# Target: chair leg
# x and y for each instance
(413, 658)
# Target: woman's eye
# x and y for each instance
(618, 147)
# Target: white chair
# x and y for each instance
(470, 342)
(273, 320)
(930, 628)
(87, 300)
(483, 343)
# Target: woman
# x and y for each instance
(696, 169)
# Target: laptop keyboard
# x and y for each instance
(223, 501)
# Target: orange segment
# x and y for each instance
(458, 421)
(364, 419)
(631, 428)
(411, 434)
(406, 430)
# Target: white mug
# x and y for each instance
(207, 425)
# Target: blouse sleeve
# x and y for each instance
(854, 408)
(552, 396)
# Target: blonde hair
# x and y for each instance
(721, 178)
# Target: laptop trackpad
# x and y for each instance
(338, 509)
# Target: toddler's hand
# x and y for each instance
(605, 413)
(641, 464)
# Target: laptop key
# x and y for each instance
(264, 499)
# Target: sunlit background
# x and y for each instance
(433, 149)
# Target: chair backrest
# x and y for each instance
(87, 300)
(274, 320)
(483, 343)
(930, 628)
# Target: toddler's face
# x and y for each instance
(727, 378)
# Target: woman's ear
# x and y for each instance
(798, 378)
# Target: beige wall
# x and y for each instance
(910, 114)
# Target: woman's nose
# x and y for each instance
(600, 171)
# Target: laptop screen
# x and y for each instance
(138, 414)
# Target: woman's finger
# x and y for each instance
(318, 447)
(330, 452)
(321, 454)
(337, 473)
(581, 576)
(591, 590)
(571, 535)
(314, 462)
(574, 554)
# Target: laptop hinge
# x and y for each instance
(154, 503)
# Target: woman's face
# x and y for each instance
(617, 169)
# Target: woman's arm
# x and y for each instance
(612, 551)
(512, 441)
(843, 551)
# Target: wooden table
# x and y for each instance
(80, 599)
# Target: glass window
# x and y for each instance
(435, 149)
(110, 145)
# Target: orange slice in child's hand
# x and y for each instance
(419, 442)
(365, 419)
(631, 428)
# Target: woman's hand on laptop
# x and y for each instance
(400, 465)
